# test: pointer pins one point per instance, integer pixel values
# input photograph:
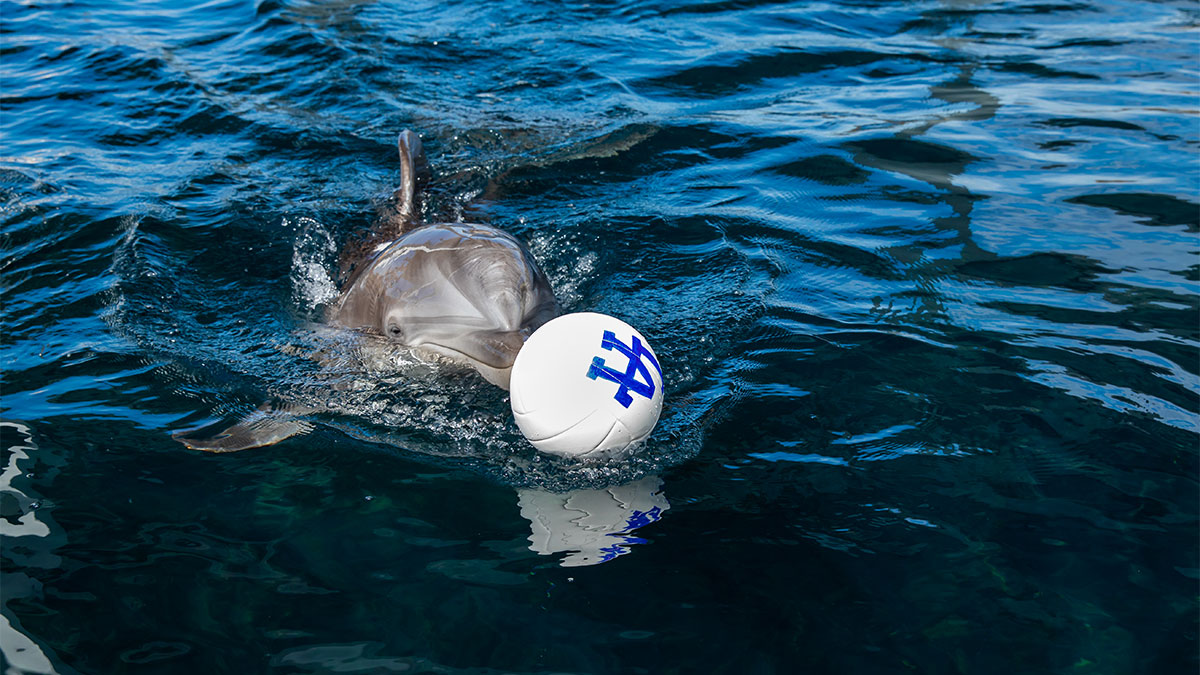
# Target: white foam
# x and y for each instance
(312, 284)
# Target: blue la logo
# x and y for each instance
(637, 355)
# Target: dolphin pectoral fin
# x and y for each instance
(262, 427)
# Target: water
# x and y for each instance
(923, 278)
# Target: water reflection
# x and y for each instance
(591, 526)
(19, 519)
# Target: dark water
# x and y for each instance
(923, 278)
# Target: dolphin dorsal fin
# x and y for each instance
(405, 207)
(398, 215)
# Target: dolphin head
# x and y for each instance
(469, 293)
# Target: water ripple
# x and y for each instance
(922, 277)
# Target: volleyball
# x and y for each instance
(586, 385)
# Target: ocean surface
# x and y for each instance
(924, 279)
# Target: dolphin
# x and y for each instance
(463, 292)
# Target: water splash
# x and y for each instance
(313, 256)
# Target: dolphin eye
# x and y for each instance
(394, 331)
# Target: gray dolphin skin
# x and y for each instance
(465, 292)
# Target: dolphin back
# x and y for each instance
(400, 214)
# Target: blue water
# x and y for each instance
(924, 279)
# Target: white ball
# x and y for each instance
(586, 384)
